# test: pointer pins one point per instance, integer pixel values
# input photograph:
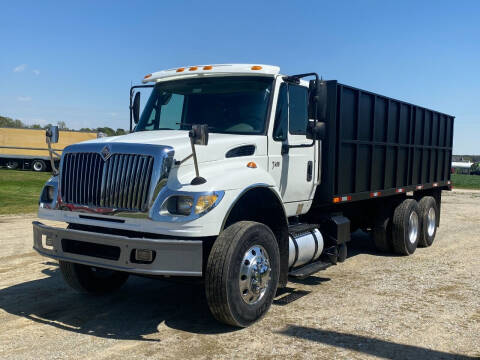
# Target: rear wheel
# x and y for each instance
(382, 233)
(92, 280)
(428, 211)
(39, 165)
(406, 225)
(12, 164)
(242, 273)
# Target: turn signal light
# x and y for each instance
(180, 69)
(256, 67)
(252, 165)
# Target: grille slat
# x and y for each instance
(121, 182)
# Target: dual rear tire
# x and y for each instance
(412, 224)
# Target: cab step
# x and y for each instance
(309, 269)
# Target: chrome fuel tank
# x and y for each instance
(304, 248)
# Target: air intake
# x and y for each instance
(121, 182)
(244, 150)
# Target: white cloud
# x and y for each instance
(112, 114)
(24, 98)
(36, 72)
(20, 68)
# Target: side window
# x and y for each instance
(298, 96)
(171, 115)
(281, 115)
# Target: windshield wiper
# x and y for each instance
(188, 124)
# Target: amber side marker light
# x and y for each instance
(252, 165)
(180, 69)
(256, 67)
(208, 67)
(147, 76)
(193, 68)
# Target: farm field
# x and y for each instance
(20, 191)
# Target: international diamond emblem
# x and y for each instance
(106, 153)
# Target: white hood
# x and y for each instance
(218, 144)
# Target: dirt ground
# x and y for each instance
(426, 306)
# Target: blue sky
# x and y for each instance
(74, 61)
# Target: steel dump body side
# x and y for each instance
(378, 146)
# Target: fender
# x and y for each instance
(262, 203)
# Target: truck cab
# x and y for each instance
(216, 180)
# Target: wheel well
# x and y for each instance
(262, 205)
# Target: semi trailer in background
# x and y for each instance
(26, 149)
(244, 177)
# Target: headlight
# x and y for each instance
(205, 202)
(186, 206)
(48, 194)
(179, 205)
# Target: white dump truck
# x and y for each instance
(244, 177)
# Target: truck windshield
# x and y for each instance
(233, 105)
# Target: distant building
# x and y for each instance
(462, 167)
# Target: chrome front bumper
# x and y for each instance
(172, 257)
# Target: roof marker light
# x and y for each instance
(147, 76)
(193, 68)
(252, 165)
(208, 67)
(375, 194)
(180, 69)
(256, 67)
(400, 190)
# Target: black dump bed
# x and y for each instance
(377, 146)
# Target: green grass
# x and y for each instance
(20, 191)
(463, 181)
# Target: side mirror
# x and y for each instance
(199, 134)
(136, 108)
(318, 91)
(52, 135)
(319, 131)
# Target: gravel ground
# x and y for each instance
(426, 306)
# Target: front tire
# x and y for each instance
(91, 280)
(242, 273)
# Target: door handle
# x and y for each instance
(309, 170)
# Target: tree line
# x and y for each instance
(7, 122)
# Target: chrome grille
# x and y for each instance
(121, 182)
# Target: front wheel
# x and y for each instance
(242, 273)
(92, 280)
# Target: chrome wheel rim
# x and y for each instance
(254, 277)
(37, 166)
(413, 227)
(431, 221)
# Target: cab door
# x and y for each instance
(293, 168)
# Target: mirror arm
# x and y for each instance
(52, 152)
(287, 147)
